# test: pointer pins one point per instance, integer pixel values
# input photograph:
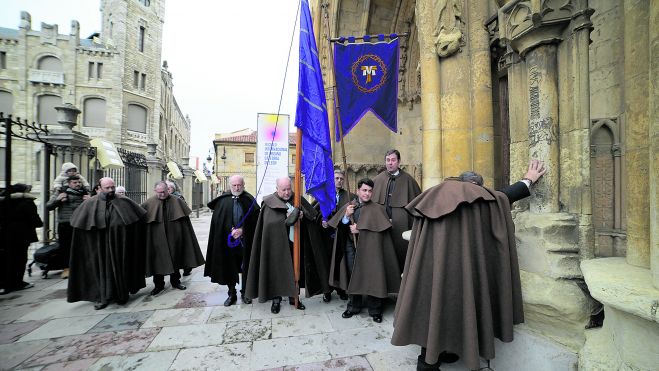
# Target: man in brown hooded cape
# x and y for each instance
(235, 214)
(461, 285)
(271, 275)
(107, 249)
(171, 243)
(368, 264)
(394, 188)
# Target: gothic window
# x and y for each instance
(46, 113)
(143, 82)
(6, 102)
(605, 181)
(3, 60)
(136, 118)
(136, 79)
(50, 63)
(94, 112)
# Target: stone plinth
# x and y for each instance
(630, 336)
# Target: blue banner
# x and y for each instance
(311, 119)
(366, 80)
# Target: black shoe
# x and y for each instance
(275, 307)
(377, 318)
(157, 290)
(99, 306)
(343, 296)
(122, 301)
(186, 271)
(24, 285)
(421, 365)
(327, 297)
(179, 286)
(4, 291)
(300, 306)
(245, 299)
(446, 357)
(347, 314)
(231, 300)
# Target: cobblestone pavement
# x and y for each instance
(190, 330)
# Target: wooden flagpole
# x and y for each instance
(297, 187)
(337, 114)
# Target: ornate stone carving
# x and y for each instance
(449, 28)
(49, 33)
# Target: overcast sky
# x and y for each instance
(227, 58)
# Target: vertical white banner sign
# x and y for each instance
(271, 151)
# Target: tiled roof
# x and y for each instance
(251, 138)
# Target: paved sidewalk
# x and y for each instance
(190, 330)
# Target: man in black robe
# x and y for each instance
(235, 214)
(18, 220)
(171, 243)
(461, 285)
(107, 249)
(394, 188)
(329, 234)
(271, 274)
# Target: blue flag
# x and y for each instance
(366, 80)
(311, 119)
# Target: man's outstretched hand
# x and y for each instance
(535, 171)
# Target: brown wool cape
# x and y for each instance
(171, 243)
(224, 263)
(271, 263)
(375, 271)
(461, 286)
(107, 250)
(405, 190)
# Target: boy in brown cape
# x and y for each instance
(368, 260)
(171, 243)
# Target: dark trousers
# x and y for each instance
(356, 303)
(174, 279)
(14, 260)
(64, 234)
(232, 286)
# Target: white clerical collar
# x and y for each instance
(396, 173)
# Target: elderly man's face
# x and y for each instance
(162, 191)
(284, 189)
(170, 189)
(338, 180)
(237, 186)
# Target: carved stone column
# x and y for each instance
(654, 141)
(637, 123)
(430, 96)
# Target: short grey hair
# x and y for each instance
(471, 177)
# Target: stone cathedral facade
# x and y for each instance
(116, 78)
(487, 85)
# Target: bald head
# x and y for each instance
(237, 184)
(107, 186)
(284, 188)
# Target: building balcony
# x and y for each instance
(46, 77)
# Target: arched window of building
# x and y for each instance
(50, 63)
(136, 118)
(94, 113)
(6, 102)
(46, 113)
